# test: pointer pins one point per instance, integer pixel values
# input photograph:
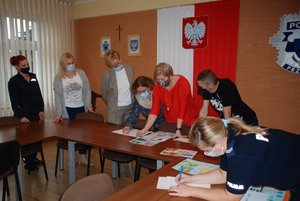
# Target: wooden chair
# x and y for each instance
(63, 144)
(26, 150)
(9, 162)
(91, 188)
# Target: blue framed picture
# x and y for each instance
(134, 45)
(105, 45)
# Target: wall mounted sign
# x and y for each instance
(194, 32)
(105, 45)
(134, 45)
(287, 42)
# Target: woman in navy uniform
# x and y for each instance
(26, 99)
(249, 156)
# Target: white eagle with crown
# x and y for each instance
(194, 33)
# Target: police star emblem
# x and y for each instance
(287, 42)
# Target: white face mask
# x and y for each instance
(213, 154)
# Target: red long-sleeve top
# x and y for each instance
(178, 102)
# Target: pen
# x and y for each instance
(180, 173)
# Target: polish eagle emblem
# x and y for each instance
(194, 33)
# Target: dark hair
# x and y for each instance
(207, 77)
(15, 60)
(142, 81)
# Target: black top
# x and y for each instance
(227, 94)
(25, 97)
(269, 160)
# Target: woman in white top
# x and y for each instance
(72, 92)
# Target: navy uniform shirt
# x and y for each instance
(262, 160)
(25, 97)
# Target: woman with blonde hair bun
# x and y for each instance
(250, 156)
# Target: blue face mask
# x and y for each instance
(70, 67)
(144, 95)
(213, 154)
(117, 68)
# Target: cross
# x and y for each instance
(119, 29)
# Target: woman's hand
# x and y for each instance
(178, 134)
(57, 119)
(90, 109)
(41, 115)
(141, 132)
(24, 120)
(126, 130)
(182, 190)
(184, 178)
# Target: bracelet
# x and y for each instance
(178, 129)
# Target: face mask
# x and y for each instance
(213, 154)
(117, 68)
(165, 83)
(25, 70)
(144, 95)
(70, 67)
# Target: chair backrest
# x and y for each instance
(90, 116)
(92, 188)
(9, 157)
(8, 121)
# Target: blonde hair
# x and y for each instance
(212, 129)
(164, 69)
(63, 62)
(109, 56)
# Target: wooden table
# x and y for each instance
(145, 189)
(87, 132)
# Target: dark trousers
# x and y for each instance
(72, 114)
(295, 194)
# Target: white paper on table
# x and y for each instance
(255, 196)
(166, 182)
(182, 139)
(132, 132)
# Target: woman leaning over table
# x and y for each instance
(26, 99)
(72, 93)
(174, 93)
(142, 89)
(249, 156)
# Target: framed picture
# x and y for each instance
(105, 45)
(134, 45)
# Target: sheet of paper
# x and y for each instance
(255, 196)
(152, 138)
(179, 152)
(132, 132)
(182, 139)
(193, 167)
(166, 182)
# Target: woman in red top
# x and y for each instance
(174, 92)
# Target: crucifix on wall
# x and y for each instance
(119, 29)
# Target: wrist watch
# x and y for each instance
(178, 129)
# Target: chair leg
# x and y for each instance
(44, 165)
(89, 162)
(6, 186)
(137, 172)
(4, 189)
(56, 161)
(119, 172)
(18, 185)
(102, 160)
